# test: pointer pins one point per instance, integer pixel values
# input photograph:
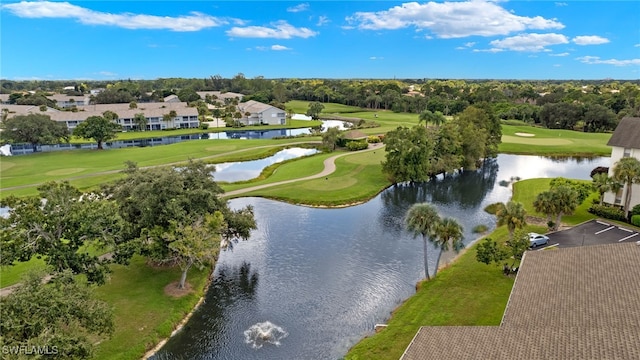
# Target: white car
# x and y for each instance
(536, 239)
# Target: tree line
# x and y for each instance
(581, 105)
(171, 215)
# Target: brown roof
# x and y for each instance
(627, 133)
(571, 303)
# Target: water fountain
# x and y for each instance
(264, 333)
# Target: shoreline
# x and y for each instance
(180, 325)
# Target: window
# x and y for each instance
(627, 152)
(618, 199)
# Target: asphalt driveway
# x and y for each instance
(593, 232)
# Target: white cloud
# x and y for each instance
(589, 40)
(279, 47)
(561, 4)
(45, 9)
(279, 30)
(466, 46)
(298, 8)
(452, 19)
(322, 20)
(615, 62)
(375, 58)
(530, 42)
(492, 50)
(560, 54)
(636, 45)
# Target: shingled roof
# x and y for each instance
(571, 303)
(627, 133)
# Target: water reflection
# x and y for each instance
(246, 170)
(327, 276)
(233, 286)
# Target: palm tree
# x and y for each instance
(513, 215)
(447, 232)
(602, 184)
(566, 201)
(627, 171)
(544, 204)
(436, 118)
(422, 219)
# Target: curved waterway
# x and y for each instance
(246, 170)
(311, 282)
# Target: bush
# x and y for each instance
(204, 126)
(608, 212)
(373, 139)
(635, 210)
(479, 229)
(635, 220)
(357, 145)
(493, 208)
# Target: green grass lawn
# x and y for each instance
(466, 293)
(291, 169)
(357, 178)
(80, 166)
(552, 142)
(526, 191)
(144, 314)
(10, 275)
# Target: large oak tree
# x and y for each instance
(36, 129)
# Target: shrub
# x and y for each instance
(493, 208)
(373, 139)
(608, 212)
(635, 220)
(479, 229)
(635, 210)
(357, 145)
(204, 126)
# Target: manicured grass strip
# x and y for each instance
(55, 166)
(526, 191)
(467, 293)
(292, 169)
(553, 141)
(144, 314)
(358, 177)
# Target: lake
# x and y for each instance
(312, 282)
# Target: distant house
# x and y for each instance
(220, 96)
(172, 98)
(625, 142)
(570, 303)
(254, 112)
(66, 101)
(186, 117)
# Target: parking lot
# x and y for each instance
(593, 232)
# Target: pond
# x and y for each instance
(23, 149)
(311, 282)
(247, 170)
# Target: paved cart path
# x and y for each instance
(329, 168)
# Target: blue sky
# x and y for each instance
(477, 39)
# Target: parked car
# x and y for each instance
(536, 239)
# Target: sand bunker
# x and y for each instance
(525, 134)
